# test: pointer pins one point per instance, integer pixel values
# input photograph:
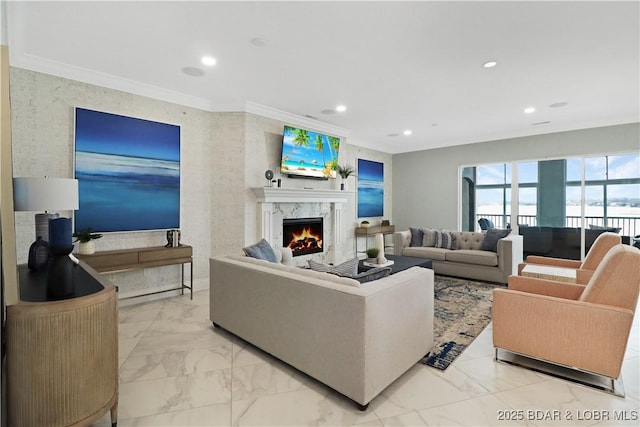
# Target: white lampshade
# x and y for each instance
(45, 194)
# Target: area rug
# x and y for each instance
(462, 309)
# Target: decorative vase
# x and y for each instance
(38, 255)
(380, 245)
(87, 248)
(343, 184)
(60, 272)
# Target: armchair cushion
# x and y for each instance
(617, 279)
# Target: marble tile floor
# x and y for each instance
(176, 369)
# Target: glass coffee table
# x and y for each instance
(399, 263)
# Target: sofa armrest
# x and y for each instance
(509, 255)
(591, 337)
(401, 240)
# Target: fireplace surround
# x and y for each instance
(274, 204)
(303, 235)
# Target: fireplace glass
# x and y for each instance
(302, 235)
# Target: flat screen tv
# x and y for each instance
(308, 154)
(128, 173)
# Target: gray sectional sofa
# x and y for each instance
(356, 338)
(466, 259)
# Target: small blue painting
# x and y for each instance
(128, 173)
(370, 188)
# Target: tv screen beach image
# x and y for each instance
(308, 153)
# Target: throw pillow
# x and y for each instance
(347, 268)
(429, 238)
(416, 236)
(490, 242)
(372, 274)
(261, 250)
(318, 266)
(443, 240)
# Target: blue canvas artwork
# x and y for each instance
(128, 173)
(370, 188)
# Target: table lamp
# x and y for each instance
(43, 194)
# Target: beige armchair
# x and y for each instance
(584, 269)
(582, 327)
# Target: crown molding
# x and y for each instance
(68, 71)
(294, 119)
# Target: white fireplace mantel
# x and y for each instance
(268, 196)
(300, 195)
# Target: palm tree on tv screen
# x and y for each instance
(301, 139)
(320, 147)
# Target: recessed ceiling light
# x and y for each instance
(341, 108)
(209, 61)
(407, 132)
(490, 64)
(558, 104)
(193, 71)
(529, 110)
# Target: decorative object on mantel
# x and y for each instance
(269, 176)
(44, 194)
(86, 238)
(385, 222)
(344, 172)
(364, 224)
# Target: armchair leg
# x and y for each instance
(613, 386)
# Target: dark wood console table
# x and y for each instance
(140, 258)
(62, 354)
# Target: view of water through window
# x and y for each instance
(611, 192)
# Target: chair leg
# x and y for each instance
(545, 367)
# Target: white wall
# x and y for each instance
(425, 183)
(223, 155)
(42, 129)
(263, 140)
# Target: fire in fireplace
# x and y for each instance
(302, 235)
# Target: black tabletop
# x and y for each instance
(401, 263)
(33, 284)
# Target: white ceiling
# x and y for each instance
(395, 65)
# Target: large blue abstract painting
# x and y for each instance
(128, 173)
(370, 188)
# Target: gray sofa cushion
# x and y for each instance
(444, 240)
(430, 253)
(490, 242)
(471, 256)
(429, 238)
(261, 250)
(348, 268)
(417, 235)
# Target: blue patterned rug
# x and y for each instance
(462, 309)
